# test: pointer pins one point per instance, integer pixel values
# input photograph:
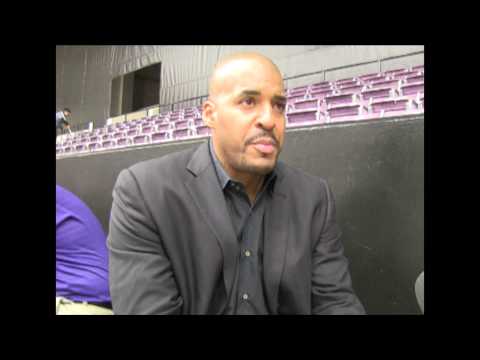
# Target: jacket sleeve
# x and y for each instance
(141, 276)
(332, 292)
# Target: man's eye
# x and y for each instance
(280, 107)
(249, 101)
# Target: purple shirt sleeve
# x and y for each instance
(81, 256)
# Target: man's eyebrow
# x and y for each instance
(280, 98)
(250, 93)
(258, 93)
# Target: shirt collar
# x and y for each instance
(224, 178)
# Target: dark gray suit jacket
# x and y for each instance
(173, 248)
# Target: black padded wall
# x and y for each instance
(376, 171)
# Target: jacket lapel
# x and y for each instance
(208, 197)
(275, 241)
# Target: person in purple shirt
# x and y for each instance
(81, 259)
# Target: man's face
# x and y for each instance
(248, 120)
(66, 113)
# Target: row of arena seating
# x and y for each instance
(390, 93)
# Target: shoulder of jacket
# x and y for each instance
(300, 176)
(168, 164)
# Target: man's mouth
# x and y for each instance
(265, 146)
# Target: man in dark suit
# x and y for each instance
(224, 228)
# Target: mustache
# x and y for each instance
(263, 135)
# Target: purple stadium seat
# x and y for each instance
(321, 84)
(318, 88)
(346, 82)
(181, 133)
(80, 147)
(414, 79)
(118, 135)
(106, 136)
(160, 121)
(132, 132)
(320, 94)
(372, 77)
(141, 139)
(147, 129)
(384, 84)
(389, 105)
(182, 124)
(93, 146)
(84, 140)
(198, 122)
(344, 110)
(108, 144)
(163, 127)
(122, 141)
(341, 99)
(292, 99)
(296, 95)
(301, 116)
(203, 130)
(412, 89)
(405, 74)
(299, 89)
(67, 149)
(351, 89)
(307, 104)
(396, 71)
(94, 138)
(159, 136)
(376, 94)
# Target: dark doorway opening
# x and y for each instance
(136, 90)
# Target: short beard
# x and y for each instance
(243, 166)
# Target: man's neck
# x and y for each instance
(252, 182)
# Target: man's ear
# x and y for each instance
(208, 113)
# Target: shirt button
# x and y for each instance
(247, 253)
(245, 296)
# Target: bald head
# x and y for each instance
(236, 65)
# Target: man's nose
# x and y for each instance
(265, 118)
